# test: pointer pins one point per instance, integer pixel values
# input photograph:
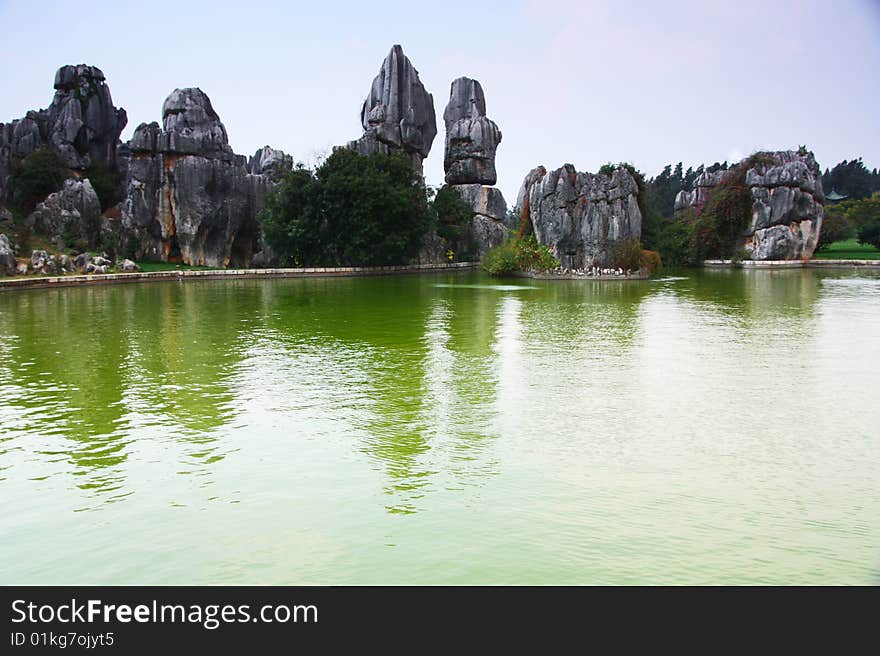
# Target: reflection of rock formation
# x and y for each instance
(144, 365)
(581, 216)
(469, 160)
(81, 124)
(188, 197)
(787, 203)
(398, 114)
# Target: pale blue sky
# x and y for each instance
(580, 82)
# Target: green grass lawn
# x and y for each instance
(170, 266)
(849, 249)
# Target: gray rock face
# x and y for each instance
(42, 262)
(432, 250)
(581, 216)
(469, 161)
(81, 124)
(7, 257)
(787, 204)
(188, 197)
(75, 211)
(270, 162)
(192, 127)
(398, 114)
(471, 138)
(487, 227)
(81, 260)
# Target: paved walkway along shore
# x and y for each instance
(795, 264)
(31, 282)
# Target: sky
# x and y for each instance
(585, 83)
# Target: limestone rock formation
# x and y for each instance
(42, 262)
(471, 138)
(188, 197)
(7, 257)
(72, 213)
(581, 216)
(270, 162)
(81, 124)
(192, 127)
(787, 203)
(398, 114)
(487, 228)
(469, 162)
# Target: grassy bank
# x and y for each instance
(848, 249)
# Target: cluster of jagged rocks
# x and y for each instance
(45, 263)
(580, 216)
(398, 116)
(787, 203)
(81, 125)
(184, 195)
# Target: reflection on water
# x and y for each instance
(700, 427)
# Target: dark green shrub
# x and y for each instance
(869, 235)
(105, 181)
(607, 169)
(41, 173)
(674, 240)
(503, 259)
(835, 227)
(453, 217)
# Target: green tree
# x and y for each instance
(674, 239)
(862, 212)
(41, 173)
(285, 220)
(835, 227)
(850, 178)
(869, 235)
(453, 216)
(355, 210)
(105, 181)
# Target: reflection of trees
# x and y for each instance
(422, 376)
(65, 380)
(92, 368)
(753, 296)
(415, 364)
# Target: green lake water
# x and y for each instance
(705, 427)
